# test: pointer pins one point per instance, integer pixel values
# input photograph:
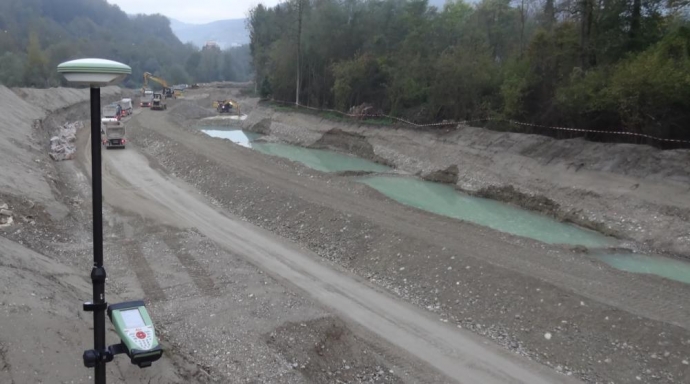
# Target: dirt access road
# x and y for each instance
(130, 181)
(607, 325)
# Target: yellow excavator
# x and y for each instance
(167, 91)
(226, 106)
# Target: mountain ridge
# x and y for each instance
(226, 33)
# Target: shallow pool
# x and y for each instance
(661, 266)
(237, 136)
(445, 200)
(321, 160)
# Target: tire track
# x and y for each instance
(200, 276)
(144, 272)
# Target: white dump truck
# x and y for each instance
(110, 113)
(126, 105)
(113, 134)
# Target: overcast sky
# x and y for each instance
(193, 11)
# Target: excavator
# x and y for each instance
(167, 91)
(226, 106)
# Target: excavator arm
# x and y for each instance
(166, 88)
(158, 80)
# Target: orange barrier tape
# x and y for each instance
(489, 119)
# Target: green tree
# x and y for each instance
(11, 69)
(36, 70)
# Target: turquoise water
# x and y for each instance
(237, 136)
(661, 266)
(445, 200)
(321, 160)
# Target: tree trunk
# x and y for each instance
(522, 27)
(635, 24)
(299, 48)
(549, 14)
(586, 18)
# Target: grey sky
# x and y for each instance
(193, 11)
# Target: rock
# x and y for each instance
(263, 127)
(6, 221)
(447, 176)
(5, 212)
(62, 146)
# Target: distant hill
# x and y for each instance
(40, 34)
(227, 33)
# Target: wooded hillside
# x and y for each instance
(36, 35)
(595, 64)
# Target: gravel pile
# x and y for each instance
(188, 110)
(62, 146)
(587, 339)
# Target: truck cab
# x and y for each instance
(146, 101)
(158, 103)
(111, 112)
(113, 135)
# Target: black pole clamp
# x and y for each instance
(93, 307)
(92, 357)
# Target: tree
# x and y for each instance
(36, 70)
(11, 69)
(599, 64)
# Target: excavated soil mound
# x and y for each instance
(447, 176)
(188, 110)
(325, 351)
(349, 142)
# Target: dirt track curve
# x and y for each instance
(129, 181)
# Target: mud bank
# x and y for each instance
(45, 253)
(29, 117)
(511, 290)
(635, 192)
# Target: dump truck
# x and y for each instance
(146, 101)
(158, 103)
(111, 112)
(126, 105)
(113, 134)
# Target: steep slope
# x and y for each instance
(26, 168)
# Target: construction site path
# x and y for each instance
(129, 181)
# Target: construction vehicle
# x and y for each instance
(167, 91)
(158, 103)
(126, 105)
(146, 101)
(113, 134)
(111, 112)
(226, 106)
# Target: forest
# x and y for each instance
(606, 65)
(37, 35)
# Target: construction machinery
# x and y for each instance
(111, 112)
(146, 101)
(226, 106)
(167, 91)
(126, 105)
(158, 103)
(113, 134)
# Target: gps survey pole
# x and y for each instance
(98, 305)
(96, 73)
